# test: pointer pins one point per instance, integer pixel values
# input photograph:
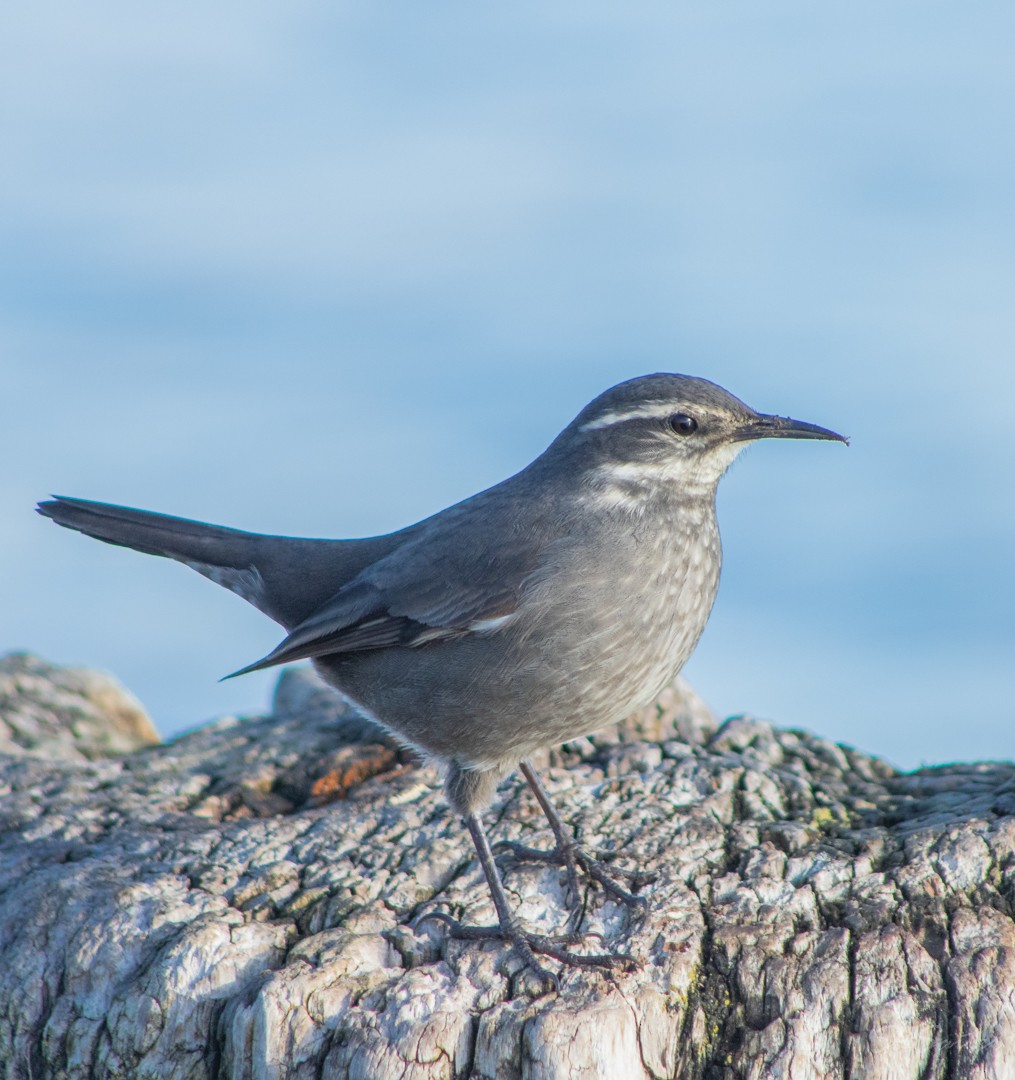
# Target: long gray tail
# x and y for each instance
(154, 534)
(287, 578)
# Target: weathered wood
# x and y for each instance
(240, 903)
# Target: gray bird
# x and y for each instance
(544, 608)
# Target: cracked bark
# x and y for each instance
(238, 903)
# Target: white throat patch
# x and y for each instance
(632, 485)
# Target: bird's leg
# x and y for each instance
(462, 787)
(563, 853)
(571, 855)
(527, 944)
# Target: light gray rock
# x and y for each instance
(69, 713)
(242, 902)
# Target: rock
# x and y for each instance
(246, 902)
(69, 713)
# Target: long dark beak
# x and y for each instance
(782, 427)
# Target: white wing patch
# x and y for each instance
(488, 626)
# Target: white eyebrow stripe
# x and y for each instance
(642, 412)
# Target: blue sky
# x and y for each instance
(323, 269)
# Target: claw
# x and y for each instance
(570, 856)
(524, 853)
(528, 944)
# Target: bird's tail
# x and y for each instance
(226, 556)
(285, 577)
(154, 534)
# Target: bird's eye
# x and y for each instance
(683, 424)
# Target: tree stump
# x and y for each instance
(246, 901)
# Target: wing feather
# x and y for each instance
(431, 588)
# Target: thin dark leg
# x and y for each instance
(565, 841)
(571, 854)
(526, 943)
(505, 916)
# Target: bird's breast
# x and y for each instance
(619, 613)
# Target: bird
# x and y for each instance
(544, 608)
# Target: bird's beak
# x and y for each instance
(761, 426)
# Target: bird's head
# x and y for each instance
(669, 429)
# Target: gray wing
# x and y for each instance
(434, 587)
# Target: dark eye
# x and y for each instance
(683, 424)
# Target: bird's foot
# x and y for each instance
(527, 945)
(571, 855)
